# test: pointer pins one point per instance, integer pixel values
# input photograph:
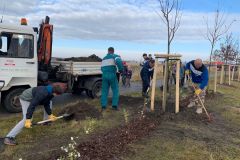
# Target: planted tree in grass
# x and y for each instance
(216, 30)
(170, 13)
(228, 52)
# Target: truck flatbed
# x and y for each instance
(78, 68)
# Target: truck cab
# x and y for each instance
(18, 62)
(26, 61)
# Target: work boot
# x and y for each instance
(115, 108)
(10, 141)
(199, 110)
(191, 104)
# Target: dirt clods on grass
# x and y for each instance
(81, 111)
(109, 145)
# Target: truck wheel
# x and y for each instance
(9, 99)
(88, 92)
(77, 91)
(96, 90)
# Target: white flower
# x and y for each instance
(72, 138)
(79, 154)
(20, 158)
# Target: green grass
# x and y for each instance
(186, 140)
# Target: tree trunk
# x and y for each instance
(209, 67)
(166, 76)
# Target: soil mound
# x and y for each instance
(81, 111)
(109, 145)
(92, 58)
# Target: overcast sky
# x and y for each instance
(84, 27)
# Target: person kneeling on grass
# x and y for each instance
(199, 76)
(30, 99)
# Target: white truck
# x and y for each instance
(25, 61)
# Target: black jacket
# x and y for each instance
(41, 95)
(146, 74)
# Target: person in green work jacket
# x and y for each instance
(111, 63)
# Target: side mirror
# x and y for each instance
(35, 29)
(0, 43)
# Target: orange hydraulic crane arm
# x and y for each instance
(45, 44)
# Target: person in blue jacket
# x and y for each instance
(30, 99)
(199, 76)
(146, 76)
(111, 63)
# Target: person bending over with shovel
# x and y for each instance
(198, 74)
(30, 99)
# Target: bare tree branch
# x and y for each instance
(171, 16)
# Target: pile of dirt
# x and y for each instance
(92, 58)
(109, 145)
(81, 111)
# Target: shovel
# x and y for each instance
(146, 102)
(209, 117)
(64, 116)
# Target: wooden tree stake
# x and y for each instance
(221, 78)
(165, 86)
(233, 72)
(154, 85)
(177, 87)
(229, 75)
(215, 80)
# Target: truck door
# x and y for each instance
(18, 65)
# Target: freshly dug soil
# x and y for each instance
(109, 145)
(92, 58)
(81, 111)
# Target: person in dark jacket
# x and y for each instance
(128, 76)
(199, 76)
(124, 73)
(146, 76)
(30, 99)
(145, 59)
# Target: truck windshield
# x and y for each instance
(13, 45)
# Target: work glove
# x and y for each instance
(28, 123)
(187, 72)
(198, 91)
(52, 117)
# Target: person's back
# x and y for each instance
(110, 63)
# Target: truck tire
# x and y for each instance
(88, 93)
(96, 90)
(9, 99)
(77, 91)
